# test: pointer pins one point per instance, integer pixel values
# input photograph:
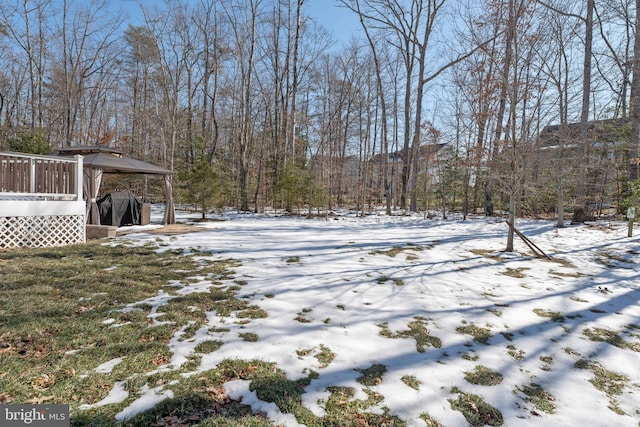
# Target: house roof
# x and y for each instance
(608, 130)
(113, 161)
(425, 150)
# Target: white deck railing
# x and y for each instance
(41, 200)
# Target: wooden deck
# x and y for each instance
(41, 202)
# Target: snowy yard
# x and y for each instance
(434, 317)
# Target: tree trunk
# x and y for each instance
(245, 133)
(512, 222)
(383, 113)
(502, 106)
(581, 211)
(560, 191)
(635, 101)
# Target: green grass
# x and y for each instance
(611, 337)
(54, 305)
(411, 381)
(398, 250)
(478, 333)
(609, 382)
(515, 353)
(418, 331)
(496, 312)
(541, 399)
(430, 421)
(56, 302)
(507, 335)
(553, 315)
(562, 274)
(383, 279)
(476, 411)
(249, 336)
(471, 357)
(344, 410)
(251, 312)
(202, 397)
(325, 356)
(208, 346)
(301, 315)
(372, 375)
(481, 375)
(515, 272)
(547, 362)
(53, 335)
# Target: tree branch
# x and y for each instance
(459, 59)
(561, 12)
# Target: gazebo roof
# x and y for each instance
(113, 161)
(99, 160)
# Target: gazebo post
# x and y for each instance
(94, 215)
(169, 210)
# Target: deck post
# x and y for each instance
(79, 176)
(32, 175)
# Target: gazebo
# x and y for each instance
(101, 160)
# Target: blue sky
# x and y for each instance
(339, 21)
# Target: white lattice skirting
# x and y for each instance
(41, 231)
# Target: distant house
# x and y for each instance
(606, 145)
(338, 175)
(610, 134)
(343, 177)
(426, 164)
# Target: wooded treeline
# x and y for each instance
(433, 105)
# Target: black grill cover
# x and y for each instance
(120, 208)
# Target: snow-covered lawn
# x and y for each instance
(433, 302)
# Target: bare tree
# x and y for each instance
(635, 99)
(581, 210)
(87, 49)
(581, 196)
(355, 6)
(170, 78)
(282, 48)
(244, 30)
(141, 61)
(556, 66)
(211, 26)
(243, 80)
(295, 78)
(412, 28)
(526, 89)
(26, 27)
(614, 63)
